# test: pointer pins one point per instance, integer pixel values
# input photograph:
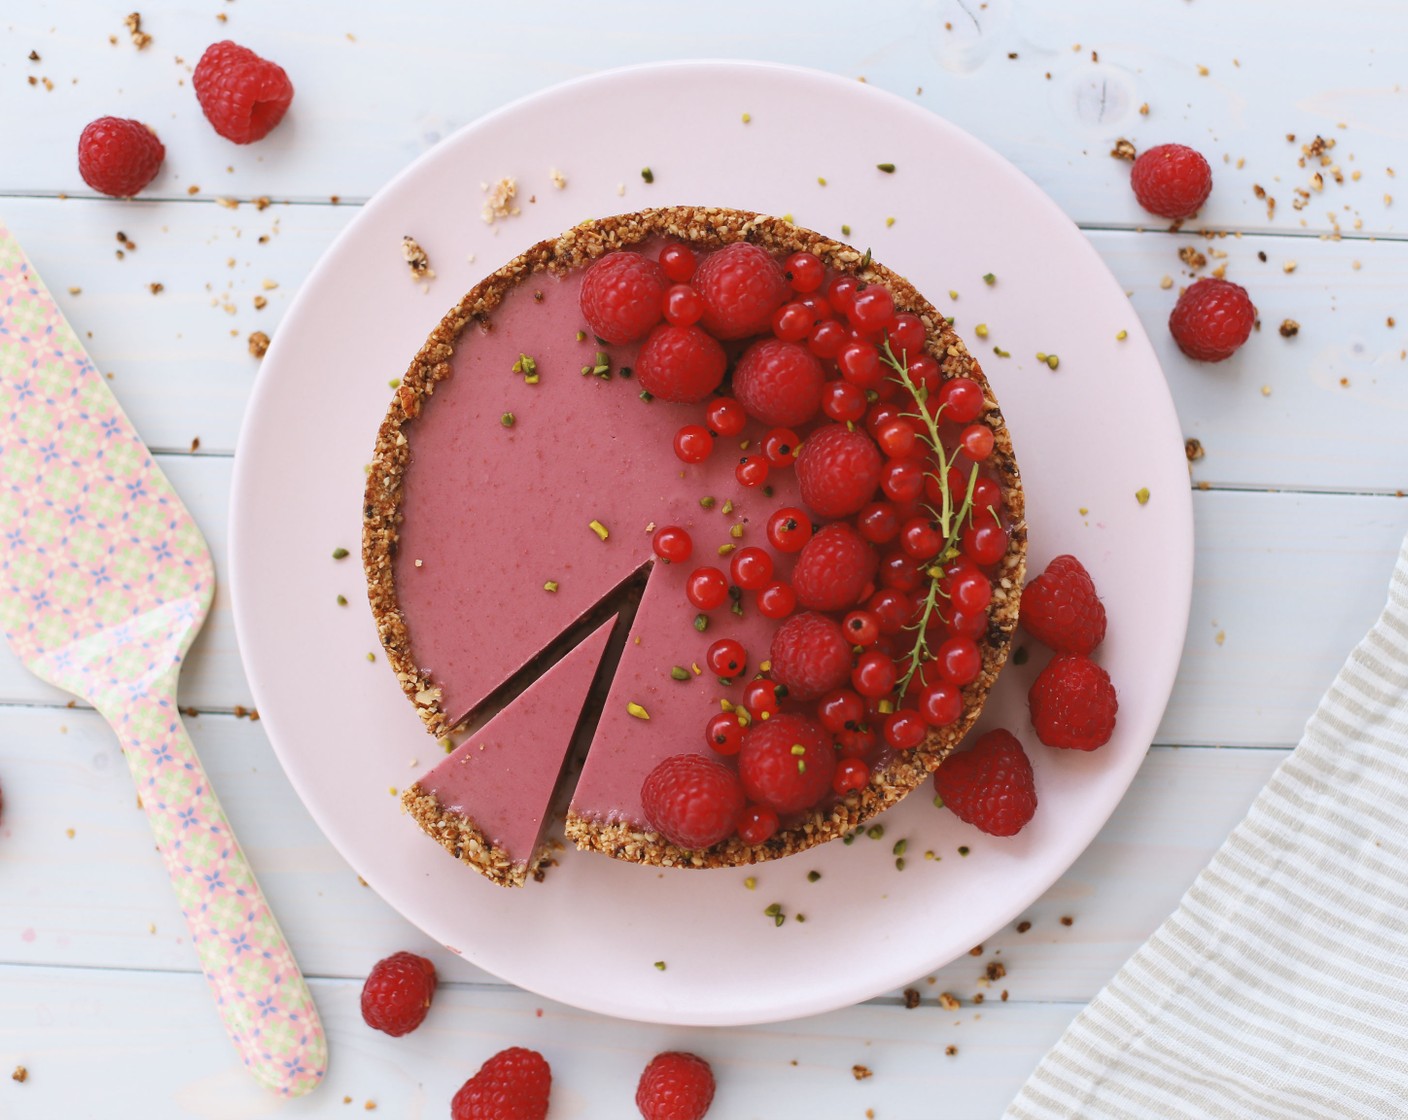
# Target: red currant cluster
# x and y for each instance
(894, 547)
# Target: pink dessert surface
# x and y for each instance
(501, 778)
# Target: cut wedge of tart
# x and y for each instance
(522, 472)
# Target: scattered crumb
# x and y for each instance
(976, 951)
(75, 291)
(499, 203)
(140, 39)
(911, 998)
(157, 288)
(195, 444)
(1220, 637)
(996, 970)
(1266, 390)
(948, 1001)
(1166, 283)
(1192, 258)
(979, 997)
(21, 1074)
(1067, 920)
(559, 180)
(1023, 926)
(193, 189)
(1123, 149)
(260, 303)
(950, 1050)
(1288, 266)
(1193, 449)
(1289, 328)
(369, 1106)
(416, 259)
(69, 833)
(258, 344)
(860, 1073)
(268, 285)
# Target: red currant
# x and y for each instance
(752, 470)
(839, 709)
(860, 363)
(826, 339)
(792, 322)
(693, 443)
(902, 480)
(897, 438)
(874, 674)
(855, 742)
(758, 824)
(905, 730)
(760, 698)
(725, 416)
(840, 292)
(804, 271)
(900, 571)
(940, 704)
(880, 414)
(962, 400)
(789, 528)
(862, 628)
(971, 623)
(851, 773)
(987, 495)
(872, 309)
(724, 733)
(842, 401)
(878, 522)
(920, 538)
(985, 541)
(960, 660)
(820, 309)
(726, 657)
(971, 591)
(906, 335)
(672, 544)
(893, 608)
(781, 446)
(706, 588)
(683, 305)
(751, 568)
(924, 372)
(777, 600)
(678, 262)
(977, 441)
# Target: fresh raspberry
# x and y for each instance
(1060, 608)
(834, 569)
(741, 286)
(1073, 703)
(990, 785)
(1171, 181)
(1212, 319)
(778, 383)
(397, 993)
(776, 773)
(675, 1086)
(838, 470)
(119, 157)
(242, 95)
(621, 296)
(680, 363)
(810, 655)
(512, 1085)
(692, 801)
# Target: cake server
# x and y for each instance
(104, 581)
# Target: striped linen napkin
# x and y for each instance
(1279, 987)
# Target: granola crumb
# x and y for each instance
(911, 998)
(1194, 450)
(499, 203)
(948, 1001)
(157, 288)
(1166, 283)
(860, 1073)
(1123, 149)
(1288, 266)
(950, 1050)
(258, 344)
(1192, 258)
(21, 1075)
(416, 259)
(262, 202)
(1004, 995)
(559, 180)
(193, 189)
(1144, 109)
(75, 291)
(978, 997)
(1289, 328)
(976, 951)
(996, 970)
(260, 303)
(1024, 925)
(1067, 920)
(195, 444)
(140, 39)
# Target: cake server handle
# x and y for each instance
(259, 991)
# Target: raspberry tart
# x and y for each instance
(771, 447)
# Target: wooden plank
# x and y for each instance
(81, 1040)
(1338, 394)
(1303, 70)
(93, 898)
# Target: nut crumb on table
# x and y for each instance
(499, 203)
(416, 259)
(140, 39)
(258, 344)
(21, 1075)
(860, 1073)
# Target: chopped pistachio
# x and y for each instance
(989, 279)
(636, 710)
(773, 909)
(339, 553)
(1142, 495)
(801, 765)
(963, 850)
(821, 180)
(887, 168)
(736, 532)
(798, 749)
(865, 260)
(647, 174)
(599, 529)
(647, 396)
(813, 876)
(747, 117)
(701, 622)
(342, 600)
(886, 706)
(706, 502)
(694, 666)
(737, 607)
(528, 367)
(899, 864)
(1122, 336)
(845, 231)
(889, 222)
(1052, 360)
(981, 330)
(581, 336)
(1020, 655)
(394, 383)
(371, 657)
(550, 586)
(507, 419)
(679, 673)
(660, 965)
(849, 839)
(875, 831)
(900, 846)
(725, 549)
(938, 802)
(750, 882)
(1000, 352)
(727, 507)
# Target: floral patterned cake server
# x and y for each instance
(104, 581)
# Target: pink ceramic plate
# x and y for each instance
(1088, 436)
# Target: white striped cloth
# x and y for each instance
(1279, 987)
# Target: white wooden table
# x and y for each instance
(1297, 497)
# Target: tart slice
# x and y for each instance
(705, 370)
(487, 804)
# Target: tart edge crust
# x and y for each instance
(709, 228)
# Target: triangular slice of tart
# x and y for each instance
(488, 803)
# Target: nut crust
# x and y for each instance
(706, 228)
